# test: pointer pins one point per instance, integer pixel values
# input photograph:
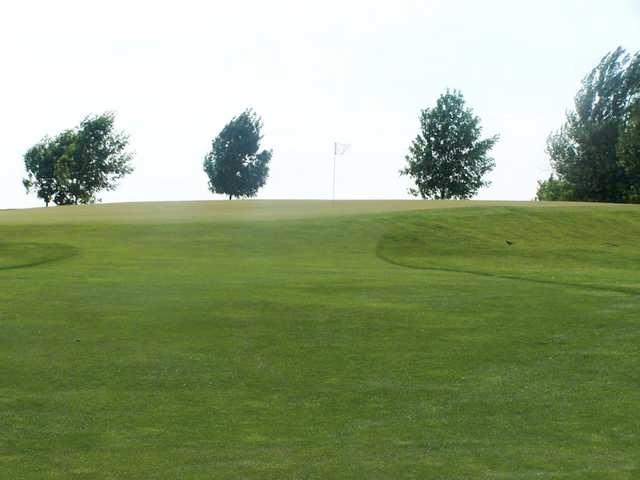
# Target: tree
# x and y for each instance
(234, 166)
(448, 159)
(554, 189)
(591, 153)
(40, 162)
(77, 164)
(628, 152)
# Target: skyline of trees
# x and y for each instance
(595, 154)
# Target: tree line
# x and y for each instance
(595, 155)
(75, 165)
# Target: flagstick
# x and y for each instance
(333, 192)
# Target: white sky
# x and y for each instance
(354, 71)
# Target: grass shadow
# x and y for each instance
(15, 255)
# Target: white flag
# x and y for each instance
(340, 148)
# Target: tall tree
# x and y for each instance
(77, 164)
(448, 159)
(234, 165)
(586, 152)
(628, 152)
(40, 163)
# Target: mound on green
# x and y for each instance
(597, 248)
(300, 340)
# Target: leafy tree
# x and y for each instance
(77, 164)
(554, 189)
(97, 160)
(592, 151)
(448, 159)
(40, 162)
(234, 166)
(629, 152)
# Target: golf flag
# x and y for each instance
(340, 148)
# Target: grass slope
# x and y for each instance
(299, 340)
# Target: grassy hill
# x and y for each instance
(255, 339)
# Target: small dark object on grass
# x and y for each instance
(609, 244)
(509, 242)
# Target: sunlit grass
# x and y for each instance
(303, 340)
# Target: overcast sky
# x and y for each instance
(358, 72)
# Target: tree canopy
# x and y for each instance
(234, 165)
(554, 189)
(77, 164)
(595, 153)
(448, 159)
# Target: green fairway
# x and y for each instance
(305, 340)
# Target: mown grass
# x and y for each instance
(291, 340)
(596, 247)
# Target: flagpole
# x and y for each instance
(333, 191)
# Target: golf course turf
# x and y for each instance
(305, 340)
